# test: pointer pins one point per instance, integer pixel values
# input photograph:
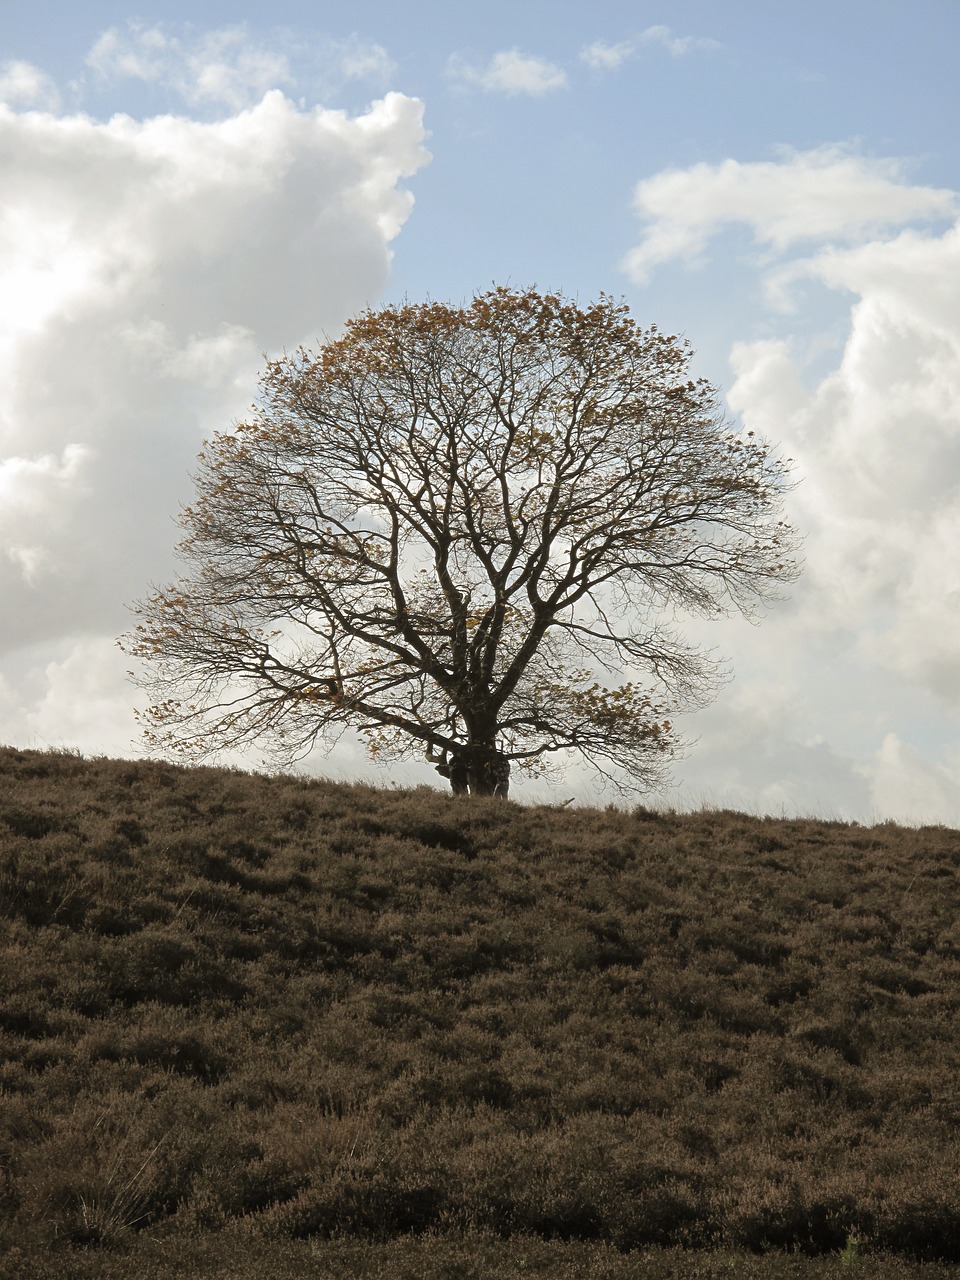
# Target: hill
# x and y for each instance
(274, 1026)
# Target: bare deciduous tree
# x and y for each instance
(459, 531)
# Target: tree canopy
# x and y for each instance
(464, 533)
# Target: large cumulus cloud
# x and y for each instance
(147, 265)
(858, 676)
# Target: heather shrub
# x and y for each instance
(277, 1010)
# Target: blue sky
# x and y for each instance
(182, 190)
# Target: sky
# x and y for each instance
(187, 189)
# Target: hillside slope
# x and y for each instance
(303, 1010)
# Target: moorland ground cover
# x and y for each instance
(271, 1026)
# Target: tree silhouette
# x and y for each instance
(462, 531)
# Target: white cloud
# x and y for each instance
(910, 787)
(222, 67)
(827, 194)
(24, 85)
(35, 493)
(142, 54)
(228, 67)
(865, 650)
(511, 72)
(889, 430)
(601, 56)
(77, 703)
(676, 46)
(878, 445)
(360, 59)
(147, 265)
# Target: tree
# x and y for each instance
(459, 531)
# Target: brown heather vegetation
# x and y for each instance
(271, 1027)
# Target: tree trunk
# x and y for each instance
(488, 772)
(459, 776)
(453, 769)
